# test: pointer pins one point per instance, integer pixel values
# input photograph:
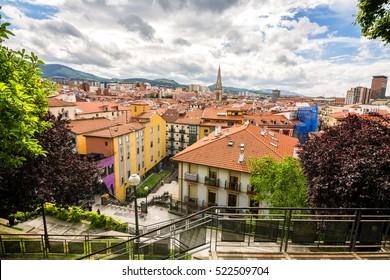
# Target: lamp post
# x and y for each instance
(46, 235)
(146, 198)
(134, 180)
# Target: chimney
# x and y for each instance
(241, 158)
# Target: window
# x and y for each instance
(158, 140)
(143, 164)
(137, 151)
(128, 155)
(123, 180)
(151, 144)
(192, 129)
(128, 173)
(158, 154)
(136, 134)
(151, 129)
(158, 128)
(110, 169)
(121, 158)
(120, 140)
(106, 143)
(138, 167)
(103, 172)
(127, 138)
(213, 173)
(151, 158)
(143, 148)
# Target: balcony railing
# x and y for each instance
(211, 181)
(191, 177)
(250, 189)
(182, 131)
(206, 204)
(233, 186)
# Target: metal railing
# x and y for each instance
(233, 186)
(222, 229)
(211, 181)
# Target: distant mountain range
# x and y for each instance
(58, 70)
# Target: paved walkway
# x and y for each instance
(155, 215)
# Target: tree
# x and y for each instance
(374, 18)
(61, 176)
(23, 101)
(278, 183)
(349, 165)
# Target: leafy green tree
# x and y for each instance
(278, 183)
(349, 165)
(23, 101)
(374, 18)
(61, 177)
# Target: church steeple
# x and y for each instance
(218, 86)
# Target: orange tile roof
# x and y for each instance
(115, 131)
(190, 117)
(212, 113)
(54, 102)
(89, 125)
(341, 115)
(146, 115)
(97, 106)
(216, 152)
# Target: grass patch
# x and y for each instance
(13, 227)
(151, 181)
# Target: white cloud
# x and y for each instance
(259, 44)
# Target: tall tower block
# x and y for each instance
(378, 87)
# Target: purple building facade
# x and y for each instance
(107, 174)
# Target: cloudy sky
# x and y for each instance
(310, 47)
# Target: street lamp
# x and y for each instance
(46, 235)
(146, 198)
(134, 180)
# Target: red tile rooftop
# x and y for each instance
(88, 125)
(117, 130)
(54, 102)
(216, 151)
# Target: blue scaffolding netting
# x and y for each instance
(309, 118)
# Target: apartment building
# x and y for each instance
(214, 170)
(182, 129)
(136, 147)
(59, 107)
(358, 95)
(219, 117)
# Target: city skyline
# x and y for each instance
(305, 47)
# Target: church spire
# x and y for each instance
(218, 86)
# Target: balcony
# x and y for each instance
(211, 181)
(171, 138)
(232, 186)
(191, 177)
(250, 189)
(182, 131)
